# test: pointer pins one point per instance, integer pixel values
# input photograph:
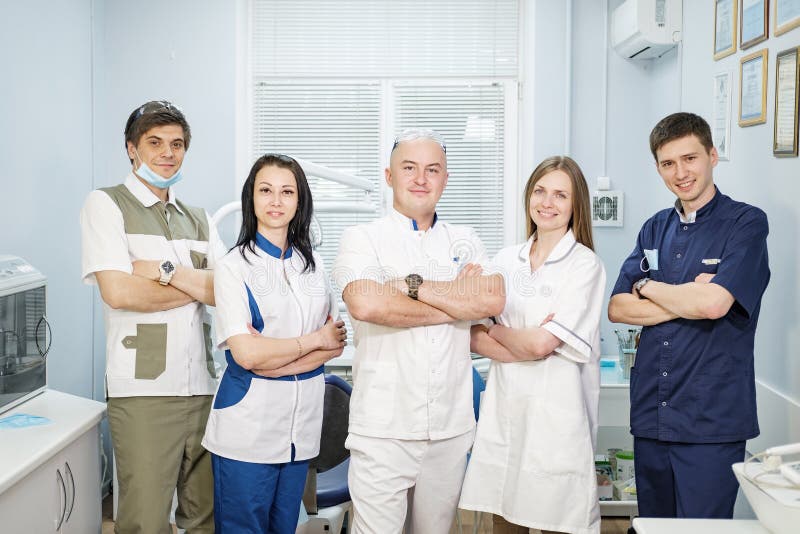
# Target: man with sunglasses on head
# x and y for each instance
(151, 256)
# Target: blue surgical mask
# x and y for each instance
(146, 173)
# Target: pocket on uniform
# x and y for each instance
(373, 395)
(232, 389)
(150, 344)
(199, 259)
(558, 441)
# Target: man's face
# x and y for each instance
(162, 148)
(417, 174)
(687, 170)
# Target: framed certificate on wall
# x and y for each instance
(753, 89)
(724, 28)
(787, 79)
(786, 15)
(753, 22)
(721, 114)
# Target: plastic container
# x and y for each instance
(625, 469)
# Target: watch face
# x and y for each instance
(413, 280)
(167, 267)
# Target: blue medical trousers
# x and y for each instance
(251, 498)
(691, 480)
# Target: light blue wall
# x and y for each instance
(754, 175)
(46, 161)
(642, 92)
(72, 71)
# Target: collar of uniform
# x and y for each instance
(408, 222)
(266, 245)
(562, 249)
(145, 196)
(702, 212)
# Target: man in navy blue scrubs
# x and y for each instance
(694, 281)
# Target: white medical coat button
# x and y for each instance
(666, 343)
(685, 227)
(664, 373)
(678, 255)
(663, 403)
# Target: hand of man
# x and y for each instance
(704, 278)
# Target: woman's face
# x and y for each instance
(274, 198)
(550, 205)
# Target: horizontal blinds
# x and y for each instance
(471, 118)
(335, 125)
(385, 38)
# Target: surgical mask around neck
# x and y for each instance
(148, 175)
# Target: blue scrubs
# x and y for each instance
(693, 382)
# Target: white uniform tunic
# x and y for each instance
(256, 419)
(409, 383)
(533, 458)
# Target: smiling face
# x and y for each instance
(162, 148)
(274, 201)
(417, 174)
(687, 170)
(550, 204)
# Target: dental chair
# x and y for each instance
(327, 497)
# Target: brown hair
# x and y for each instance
(581, 220)
(677, 126)
(152, 114)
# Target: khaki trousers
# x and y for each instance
(157, 449)
(501, 526)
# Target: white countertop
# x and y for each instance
(652, 525)
(24, 449)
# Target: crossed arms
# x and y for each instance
(660, 302)
(470, 296)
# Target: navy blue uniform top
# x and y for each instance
(693, 380)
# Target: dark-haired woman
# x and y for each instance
(532, 463)
(273, 318)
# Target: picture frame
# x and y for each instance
(787, 100)
(786, 15)
(753, 22)
(721, 114)
(753, 88)
(725, 16)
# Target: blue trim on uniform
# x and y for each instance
(264, 244)
(416, 228)
(253, 497)
(256, 321)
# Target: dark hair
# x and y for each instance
(677, 126)
(299, 235)
(152, 114)
(581, 220)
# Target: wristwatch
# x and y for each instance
(413, 281)
(167, 269)
(640, 284)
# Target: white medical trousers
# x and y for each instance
(383, 470)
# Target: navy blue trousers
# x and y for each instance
(692, 480)
(252, 498)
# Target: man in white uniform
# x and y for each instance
(151, 254)
(411, 288)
